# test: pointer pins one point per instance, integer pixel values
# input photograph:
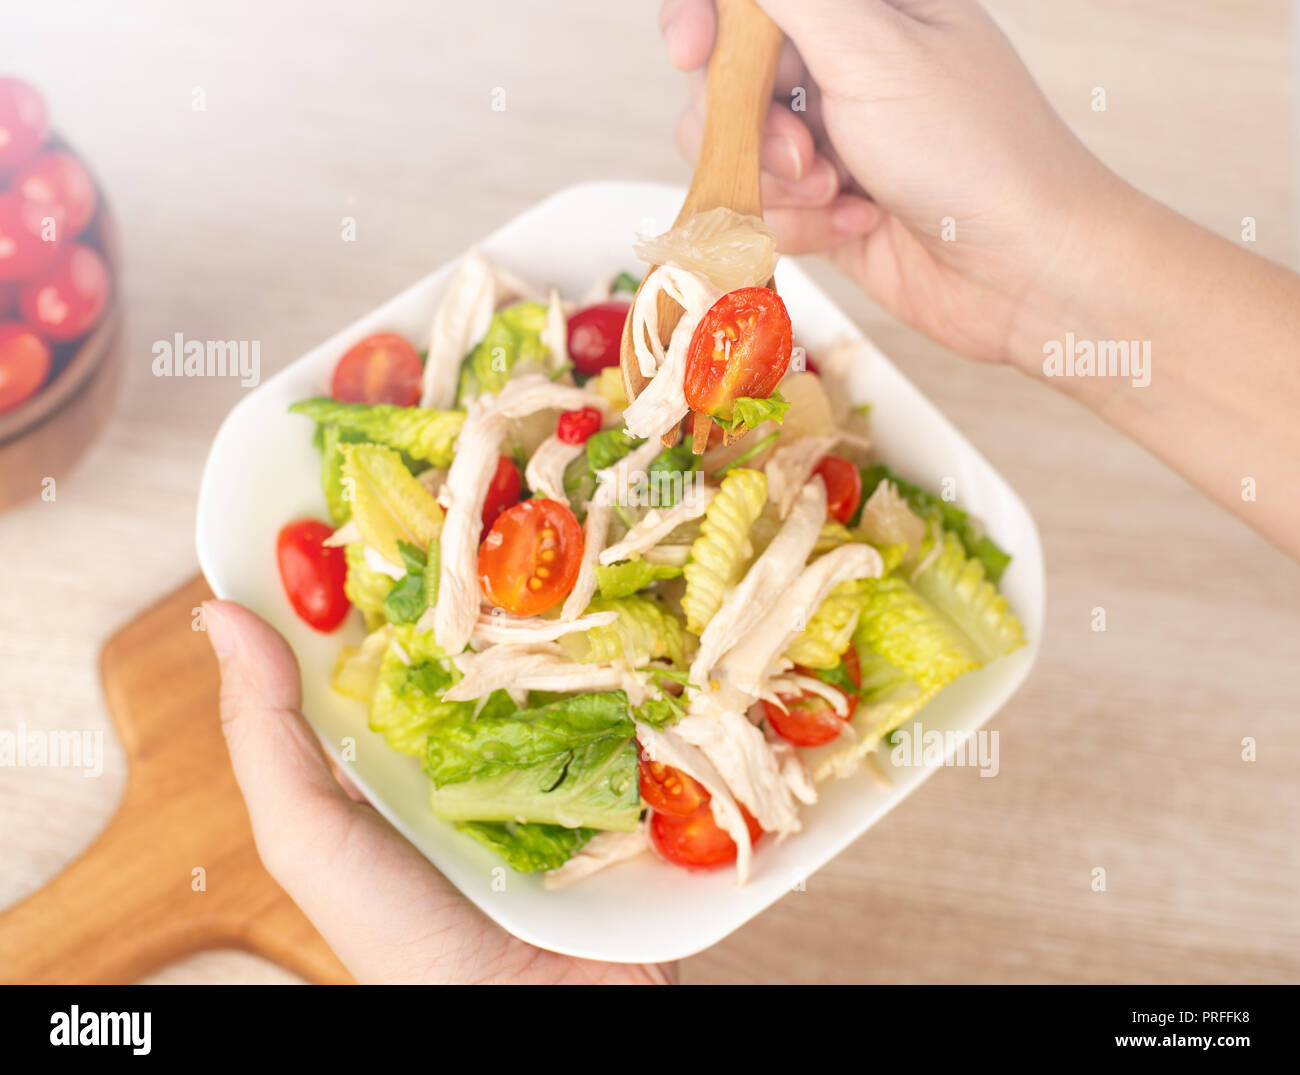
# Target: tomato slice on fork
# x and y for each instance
(741, 347)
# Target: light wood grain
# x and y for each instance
(1122, 751)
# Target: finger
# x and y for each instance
(376, 900)
(812, 231)
(787, 152)
(818, 188)
(688, 28)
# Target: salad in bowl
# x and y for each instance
(607, 626)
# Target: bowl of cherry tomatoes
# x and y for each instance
(59, 307)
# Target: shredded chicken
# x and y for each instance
(612, 482)
(777, 567)
(793, 684)
(555, 333)
(459, 323)
(790, 467)
(667, 747)
(657, 525)
(793, 770)
(539, 667)
(602, 850)
(477, 450)
(716, 723)
(662, 403)
(497, 628)
(545, 471)
(754, 659)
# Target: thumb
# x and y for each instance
(378, 902)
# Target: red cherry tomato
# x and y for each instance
(809, 720)
(30, 237)
(24, 124)
(669, 790)
(697, 840)
(24, 364)
(843, 486)
(313, 574)
(59, 181)
(741, 347)
(575, 427)
(68, 300)
(595, 336)
(383, 368)
(504, 490)
(530, 558)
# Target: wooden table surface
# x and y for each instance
(1124, 748)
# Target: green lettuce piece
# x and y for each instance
(624, 579)
(417, 590)
(329, 438)
(625, 282)
(722, 552)
(827, 635)
(514, 335)
(388, 505)
(356, 671)
(528, 848)
(959, 588)
(407, 703)
(898, 624)
(572, 762)
(747, 412)
(949, 516)
(425, 435)
(668, 473)
(608, 446)
(644, 631)
(366, 588)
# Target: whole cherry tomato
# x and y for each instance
(67, 300)
(24, 124)
(30, 237)
(57, 180)
(596, 335)
(383, 368)
(313, 574)
(24, 364)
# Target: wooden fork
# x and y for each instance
(741, 73)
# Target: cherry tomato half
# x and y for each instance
(596, 335)
(68, 300)
(576, 427)
(57, 180)
(670, 791)
(809, 720)
(504, 490)
(24, 123)
(741, 347)
(30, 237)
(843, 486)
(383, 368)
(24, 364)
(697, 840)
(313, 574)
(530, 558)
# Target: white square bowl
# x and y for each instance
(263, 471)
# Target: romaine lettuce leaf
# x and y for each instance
(417, 590)
(949, 516)
(624, 579)
(573, 762)
(828, 633)
(388, 505)
(722, 552)
(331, 478)
(356, 672)
(957, 586)
(514, 335)
(747, 412)
(528, 848)
(427, 436)
(366, 588)
(644, 631)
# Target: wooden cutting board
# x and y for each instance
(132, 903)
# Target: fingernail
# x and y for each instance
(781, 157)
(852, 218)
(218, 629)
